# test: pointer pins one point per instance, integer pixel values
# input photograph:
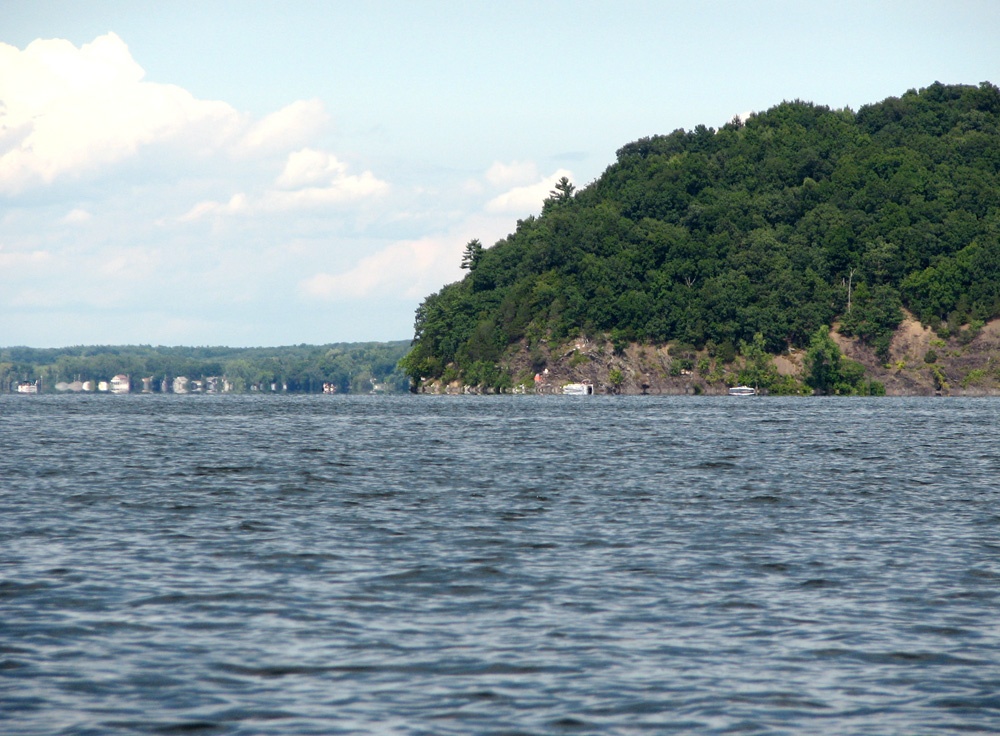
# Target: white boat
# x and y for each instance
(742, 391)
(578, 389)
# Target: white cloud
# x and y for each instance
(68, 114)
(76, 216)
(236, 204)
(11, 263)
(337, 191)
(289, 127)
(400, 270)
(407, 269)
(312, 178)
(514, 173)
(67, 110)
(309, 179)
(309, 167)
(528, 198)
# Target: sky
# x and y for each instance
(262, 174)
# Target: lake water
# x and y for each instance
(498, 565)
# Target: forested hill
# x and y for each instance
(798, 217)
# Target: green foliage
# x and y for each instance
(787, 386)
(560, 195)
(966, 336)
(940, 380)
(726, 352)
(717, 374)
(974, 377)
(472, 255)
(822, 362)
(930, 357)
(616, 378)
(828, 372)
(875, 313)
(798, 218)
(758, 368)
(302, 368)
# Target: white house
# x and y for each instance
(121, 384)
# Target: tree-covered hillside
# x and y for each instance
(794, 219)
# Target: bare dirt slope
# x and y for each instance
(920, 364)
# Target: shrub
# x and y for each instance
(726, 352)
(976, 375)
(616, 378)
(940, 380)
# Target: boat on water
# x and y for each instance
(578, 389)
(742, 391)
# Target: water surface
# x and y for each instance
(498, 565)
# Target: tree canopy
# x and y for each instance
(796, 218)
(302, 368)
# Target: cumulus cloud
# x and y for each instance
(76, 216)
(514, 173)
(310, 178)
(399, 270)
(236, 204)
(338, 190)
(309, 167)
(69, 114)
(407, 269)
(289, 127)
(12, 262)
(527, 198)
(68, 110)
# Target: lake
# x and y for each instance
(498, 565)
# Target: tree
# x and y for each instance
(822, 362)
(564, 190)
(759, 370)
(562, 193)
(797, 217)
(472, 255)
(616, 378)
(828, 372)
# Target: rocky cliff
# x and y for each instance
(921, 363)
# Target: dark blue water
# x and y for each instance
(498, 565)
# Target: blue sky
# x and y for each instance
(246, 173)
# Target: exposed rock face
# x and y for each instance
(921, 364)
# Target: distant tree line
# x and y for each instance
(797, 218)
(350, 367)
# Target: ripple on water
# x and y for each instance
(256, 565)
